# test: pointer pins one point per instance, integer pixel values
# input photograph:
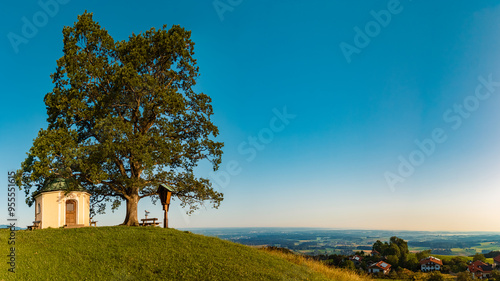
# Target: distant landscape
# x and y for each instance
(5, 226)
(346, 242)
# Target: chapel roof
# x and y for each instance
(59, 184)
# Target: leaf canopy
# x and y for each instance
(124, 118)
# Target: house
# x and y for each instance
(356, 259)
(380, 266)
(56, 207)
(430, 264)
(496, 261)
(375, 253)
(480, 270)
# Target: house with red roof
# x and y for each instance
(356, 259)
(480, 269)
(380, 266)
(496, 261)
(430, 264)
(375, 252)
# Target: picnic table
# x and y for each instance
(150, 221)
(36, 225)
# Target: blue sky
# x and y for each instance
(353, 118)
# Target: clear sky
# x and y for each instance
(337, 114)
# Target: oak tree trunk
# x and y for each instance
(131, 216)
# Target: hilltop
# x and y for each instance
(151, 253)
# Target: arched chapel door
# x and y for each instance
(70, 212)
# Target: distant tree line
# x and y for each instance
(444, 244)
(492, 254)
(442, 251)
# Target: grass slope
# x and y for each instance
(149, 253)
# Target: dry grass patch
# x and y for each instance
(338, 274)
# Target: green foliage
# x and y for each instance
(124, 118)
(393, 250)
(335, 260)
(393, 260)
(495, 275)
(446, 269)
(405, 274)
(363, 266)
(465, 258)
(379, 246)
(419, 276)
(464, 276)
(412, 262)
(435, 276)
(479, 257)
(402, 245)
(456, 264)
(423, 254)
(348, 264)
(396, 251)
(492, 254)
(393, 274)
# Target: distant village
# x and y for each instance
(478, 269)
(393, 260)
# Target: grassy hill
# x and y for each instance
(150, 253)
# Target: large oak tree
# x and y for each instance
(123, 118)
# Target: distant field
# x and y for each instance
(487, 246)
(484, 247)
(320, 241)
(447, 258)
(417, 249)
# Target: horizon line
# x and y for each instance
(351, 229)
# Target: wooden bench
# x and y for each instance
(93, 223)
(36, 225)
(151, 221)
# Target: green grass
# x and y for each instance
(147, 253)
(488, 246)
(446, 258)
